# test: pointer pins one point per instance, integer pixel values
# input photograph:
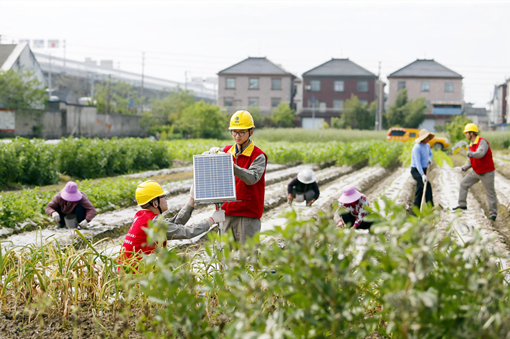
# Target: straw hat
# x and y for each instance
(423, 135)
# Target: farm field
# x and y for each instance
(410, 277)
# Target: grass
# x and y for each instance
(323, 135)
(497, 139)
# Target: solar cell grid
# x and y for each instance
(214, 178)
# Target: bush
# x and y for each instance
(283, 115)
(455, 129)
(313, 280)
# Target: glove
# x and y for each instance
(218, 216)
(213, 150)
(55, 216)
(457, 169)
(192, 191)
(424, 178)
(460, 147)
(84, 224)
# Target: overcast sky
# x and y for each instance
(204, 37)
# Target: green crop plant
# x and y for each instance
(106, 195)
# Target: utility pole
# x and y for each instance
(377, 99)
(141, 89)
(109, 92)
(185, 80)
(49, 81)
(64, 57)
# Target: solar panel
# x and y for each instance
(213, 177)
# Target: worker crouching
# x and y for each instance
(150, 196)
(355, 203)
(71, 208)
(304, 187)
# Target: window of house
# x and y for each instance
(237, 103)
(338, 105)
(363, 102)
(253, 102)
(276, 83)
(322, 106)
(362, 86)
(339, 86)
(425, 86)
(448, 86)
(315, 85)
(275, 102)
(231, 83)
(254, 83)
(401, 85)
(228, 102)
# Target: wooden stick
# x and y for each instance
(424, 189)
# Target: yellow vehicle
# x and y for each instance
(407, 134)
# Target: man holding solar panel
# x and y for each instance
(243, 216)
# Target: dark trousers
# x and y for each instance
(348, 218)
(79, 211)
(419, 188)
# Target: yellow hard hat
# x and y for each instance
(147, 191)
(470, 128)
(241, 120)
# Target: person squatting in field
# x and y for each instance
(68, 202)
(304, 187)
(480, 160)
(421, 159)
(150, 196)
(242, 217)
(354, 202)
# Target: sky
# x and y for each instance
(200, 38)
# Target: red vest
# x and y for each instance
(485, 164)
(136, 239)
(251, 197)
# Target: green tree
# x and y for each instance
(117, 96)
(172, 105)
(21, 90)
(283, 115)
(201, 120)
(356, 115)
(455, 129)
(406, 113)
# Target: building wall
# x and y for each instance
(507, 100)
(327, 90)
(264, 93)
(78, 121)
(502, 104)
(436, 92)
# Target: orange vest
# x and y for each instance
(250, 197)
(484, 164)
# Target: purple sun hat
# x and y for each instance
(70, 192)
(350, 195)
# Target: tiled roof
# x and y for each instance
(255, 65)
(339, 67)
(425, 68)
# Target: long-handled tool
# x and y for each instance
(220, 226)
(424, 189)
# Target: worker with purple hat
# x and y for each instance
(70, 201)
(355, 203)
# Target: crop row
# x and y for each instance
(33, 162)
(108, 194)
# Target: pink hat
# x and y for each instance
(70, 192)
(350, 195)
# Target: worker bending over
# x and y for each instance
(480, 159)
(421, 159)
(243, 216)
(150, 196)
(304, 187)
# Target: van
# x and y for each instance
(407, 134)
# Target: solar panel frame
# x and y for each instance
(213, 178)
